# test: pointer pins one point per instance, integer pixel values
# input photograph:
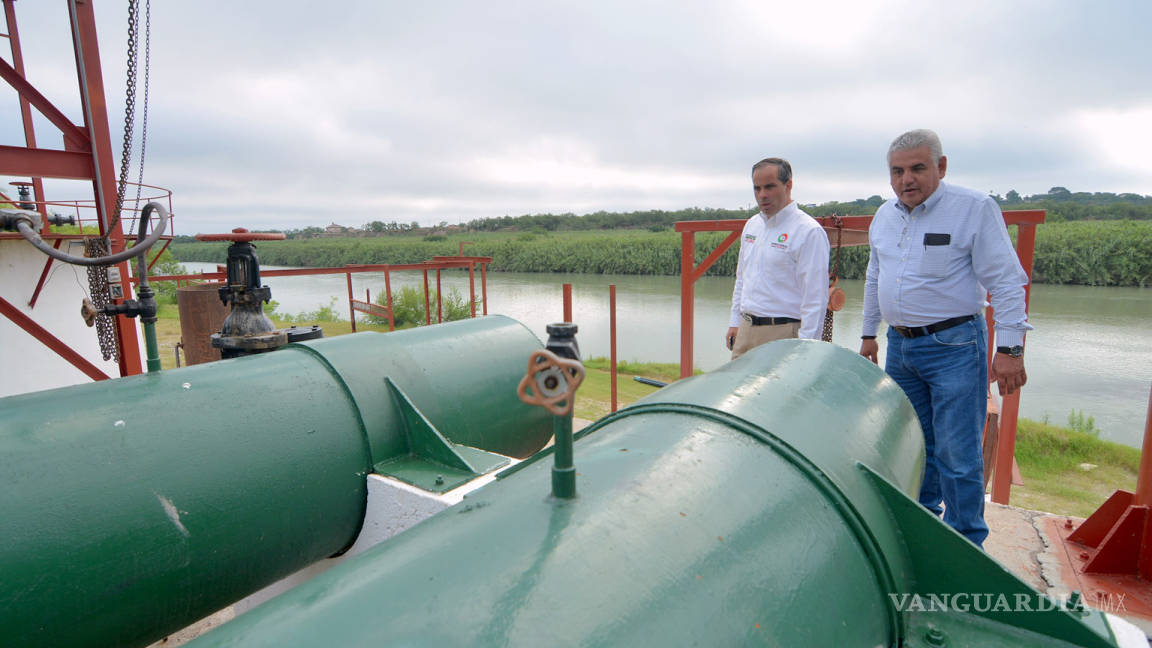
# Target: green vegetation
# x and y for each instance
(408, 307)
(1095, 253)
(1070, 471)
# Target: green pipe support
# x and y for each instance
(133, 507)
(769, 502)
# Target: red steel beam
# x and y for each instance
(95, 109)
(25, 110)
(23, 161)
(43, 276)
(75, 138)
(50, 341)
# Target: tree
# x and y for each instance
(1012, 198)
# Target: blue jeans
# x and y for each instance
(945, 375)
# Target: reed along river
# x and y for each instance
(1091, 350)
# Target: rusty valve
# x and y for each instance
(550, 381)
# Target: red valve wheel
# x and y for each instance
(551, 382)
(242, 235)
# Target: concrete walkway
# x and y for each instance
(1028, 543)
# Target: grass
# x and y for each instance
(1069, 471)
(1050, 456)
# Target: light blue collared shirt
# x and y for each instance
(940, 260)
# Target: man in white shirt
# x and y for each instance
(781, 286)
(936, 250)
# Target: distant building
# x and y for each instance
(335, 229)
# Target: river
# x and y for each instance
(1091, 351)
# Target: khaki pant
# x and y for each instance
(750, 337)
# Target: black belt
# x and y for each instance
(769, 321)
(942, 325)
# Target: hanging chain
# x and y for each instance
(129, 107)
(98, 291)
(144, 116)
(839, 223)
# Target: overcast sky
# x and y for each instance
(288, 114)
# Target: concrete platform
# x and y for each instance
(1029, 544)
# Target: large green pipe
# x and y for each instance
(765, 503)
(132, 507)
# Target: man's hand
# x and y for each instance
(730, 338)
(869, 349)
(1008, 373)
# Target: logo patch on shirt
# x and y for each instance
(749, 238)
(782, 238)
(781, 242)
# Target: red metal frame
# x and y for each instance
(87, 154)
(612, 339)
(855, 232)
(51, 341)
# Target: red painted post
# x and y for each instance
(612, 339)
(439, 299)
(472, 288)
(484, 285)
(687, 300)
(567, 291)
(1144, 477)
(351, 306)
(388, 291)
(427, 302)
(1010, 409)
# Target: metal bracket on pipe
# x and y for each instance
(432, 462)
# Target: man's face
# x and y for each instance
(771, 194)
(914, 175)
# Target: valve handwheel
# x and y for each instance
(242, 235)
(551, 382)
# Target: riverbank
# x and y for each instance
(1092, 253)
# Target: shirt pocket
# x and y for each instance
(935, 261)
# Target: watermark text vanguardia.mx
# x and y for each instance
(990, 602)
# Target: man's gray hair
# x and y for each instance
(915, 139)
(783, 169)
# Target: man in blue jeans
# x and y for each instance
(936, 251)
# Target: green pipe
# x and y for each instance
(765, 503)
(563, 470)
(152, 349)
(133, 507)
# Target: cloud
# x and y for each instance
(289, 114)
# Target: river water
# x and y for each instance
(1091, 351)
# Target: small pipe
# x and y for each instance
(563, 468)
(649, 381)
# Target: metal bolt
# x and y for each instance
(439, 480)
(935, 637)
(1067, 524)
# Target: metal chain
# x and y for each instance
(839, 223)
(144, 116)
(98, 291)
(129, 107)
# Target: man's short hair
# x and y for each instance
(783, 169)
(915, 139)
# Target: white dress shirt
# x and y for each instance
(783, 270)
(940, 260)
